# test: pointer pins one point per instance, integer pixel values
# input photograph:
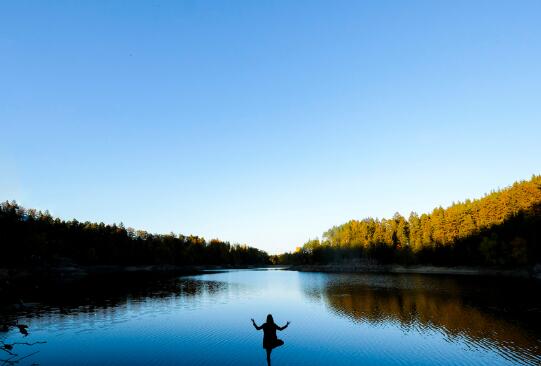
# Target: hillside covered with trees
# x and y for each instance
(29, 237)
(503, 228)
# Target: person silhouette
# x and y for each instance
(270, 340)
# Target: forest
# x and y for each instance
(29, 237)
(503, 228)
(500, 229)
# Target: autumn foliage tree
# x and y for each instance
(502, 228)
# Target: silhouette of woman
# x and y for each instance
(270, 340)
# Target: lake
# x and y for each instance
(336, 319)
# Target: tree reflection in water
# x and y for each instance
(89, 298)
(503, 315)
(179, 318)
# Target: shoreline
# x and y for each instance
(522, 272)
(76, 272)
(17, 282)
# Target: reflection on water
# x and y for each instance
(336, 319)
(478, 310)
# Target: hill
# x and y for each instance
(502, 228)
(33, 238)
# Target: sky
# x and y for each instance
(264, 122)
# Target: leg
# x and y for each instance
(278, 343)
(269, 350)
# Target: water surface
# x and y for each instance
(338, 319)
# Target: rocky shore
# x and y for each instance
(523, 272)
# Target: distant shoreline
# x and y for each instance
(17, 282)
(75, 272)
(523, 272)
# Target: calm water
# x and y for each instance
(336, 319)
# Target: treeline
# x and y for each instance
(30, 237)
(502, 228)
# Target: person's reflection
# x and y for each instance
(270, 340)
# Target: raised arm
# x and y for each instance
(284, 327)
(256, 326)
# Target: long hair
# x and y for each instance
(270, 320)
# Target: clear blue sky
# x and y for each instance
(264, 122)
